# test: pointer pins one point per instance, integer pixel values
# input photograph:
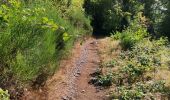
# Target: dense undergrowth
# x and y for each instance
(136, 66)
(34, 36)
(115, 15)
(134, 73)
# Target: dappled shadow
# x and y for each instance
(100, 35)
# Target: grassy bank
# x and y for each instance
(134, 65)
(34, 36)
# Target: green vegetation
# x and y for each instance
(111, 63)
(116, 15)
(165, 24)
(4, 95)
(34, 36)
(111, 15)
(134, 33)
(135, 73)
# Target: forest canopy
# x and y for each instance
(109, 16)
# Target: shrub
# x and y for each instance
(101, 80)
(117, 35)
(4, 95)
(33, 37)
(79, 21)
(133, 34)
(127, 41)
(105, 80)
(147, 56)
(130, 94)
(141, 90)
(111, 63)
(29, 40)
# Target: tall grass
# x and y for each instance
(34, 35)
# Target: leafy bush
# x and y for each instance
(105, 80)
(79, 20)
(33, 37)
(140, 90)
(22, 48)
(147, 56)
(133, 73)
(133, 34)
(127, 41)
(116, 35)
(130, 94)
(111, 63)
(4, 95)
(98, 79)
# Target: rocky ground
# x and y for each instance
(71, 81)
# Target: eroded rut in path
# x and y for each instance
(71, 81)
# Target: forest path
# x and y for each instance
(70, 82)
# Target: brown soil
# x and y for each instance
(71, 81)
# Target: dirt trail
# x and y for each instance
(71, 81)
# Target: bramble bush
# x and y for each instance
(138, 63)
(140, 90)
(146, 56)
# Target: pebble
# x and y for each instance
(40, 90)
(76, 72)
(82, 91)
(97, 90)
(76, 75)
(64, 98)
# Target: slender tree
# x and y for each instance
(165, 29)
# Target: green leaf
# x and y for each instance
(65, 36)
(45, 19)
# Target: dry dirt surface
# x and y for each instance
(71, 80)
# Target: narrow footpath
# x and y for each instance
(71, 81)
